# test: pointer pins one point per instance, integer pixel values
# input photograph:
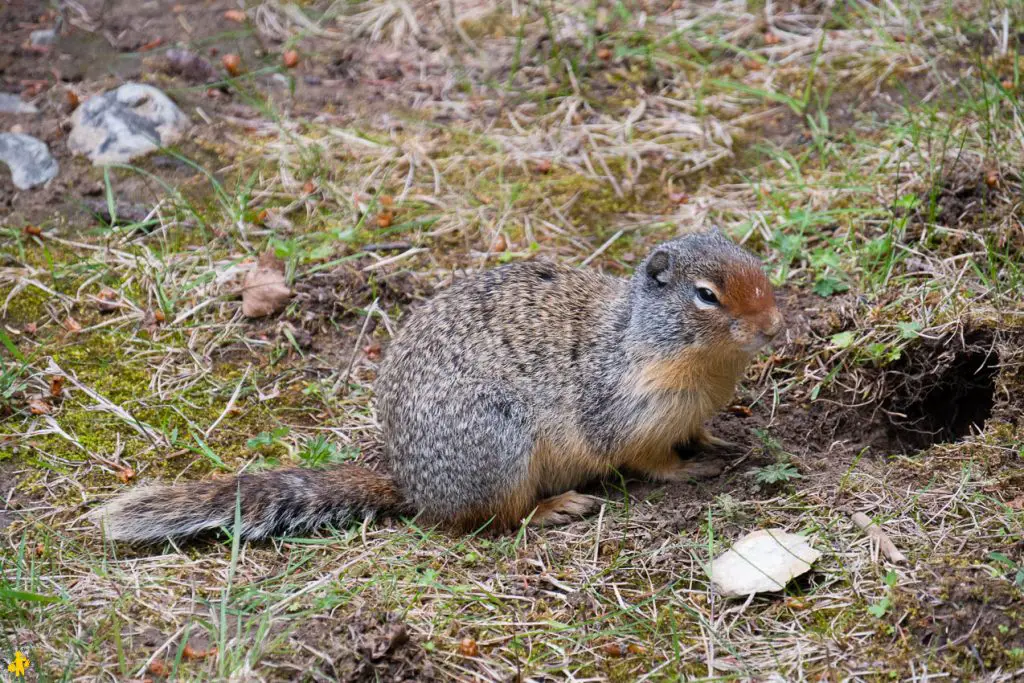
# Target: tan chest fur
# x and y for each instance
(672, 400)
(678, 395)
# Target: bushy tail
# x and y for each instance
(276, 502)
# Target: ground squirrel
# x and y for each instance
(509, 389)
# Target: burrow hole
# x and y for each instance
(940, 393)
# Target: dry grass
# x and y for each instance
(868, 152)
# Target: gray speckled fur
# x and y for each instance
(528, 349)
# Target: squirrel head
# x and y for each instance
(703, 290)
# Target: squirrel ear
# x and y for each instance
(659, 267)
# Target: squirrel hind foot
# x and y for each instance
(564, 508)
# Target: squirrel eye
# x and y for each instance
(707, 296)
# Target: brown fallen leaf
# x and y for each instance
(468, 648)
(635, 649)
(159, 316)
(235, 15)
(33, 230)
(500, 244)
(264, 291)
(191, 653)
(152, 45)
(72, 325)
(740, 410)
(56, 385)
(771, 39)
(290, 59)
(308, 187)
(157, 667)
(543, 166)
(31, 328)
(38, 406)
(385, 218)
(372, 350)
(1016, 503)
(106, 300)
(125, 474)
(232, 64)
(604, 54)
(613, 650)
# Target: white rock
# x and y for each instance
(28, 158)
(43, 37)
(12, 104)
(126, 123)
(762, 561)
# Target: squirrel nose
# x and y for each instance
(774, 324)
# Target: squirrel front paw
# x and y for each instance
(564, 508)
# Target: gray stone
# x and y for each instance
(125, 123)
(12, 104)
(28, 158)
(46, 36)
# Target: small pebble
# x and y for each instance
(43, 38)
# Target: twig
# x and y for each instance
(875, 532)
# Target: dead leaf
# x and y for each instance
(741, 410)
(38, 406)
(604, 54)
(56, 385)
(232, 64)
(372, 350)
(309, 187)
(31, 328)
(157, 667)
(771, 39)
(152, 45)
(125, 474)
(468, 648)
(159, 316)
(191, 653)
(106, 300)
(72, 325)
(992, 178)
(33, 230)
(543, 166)
(613, 650)
(384, 219)
(235, 15)
(679, 198)
(291, 59)
(500, 244)
(635, 649)
(264, 291)
(1017, 503)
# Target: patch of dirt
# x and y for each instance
(976, 205)
(972, 622)
(360, 647)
